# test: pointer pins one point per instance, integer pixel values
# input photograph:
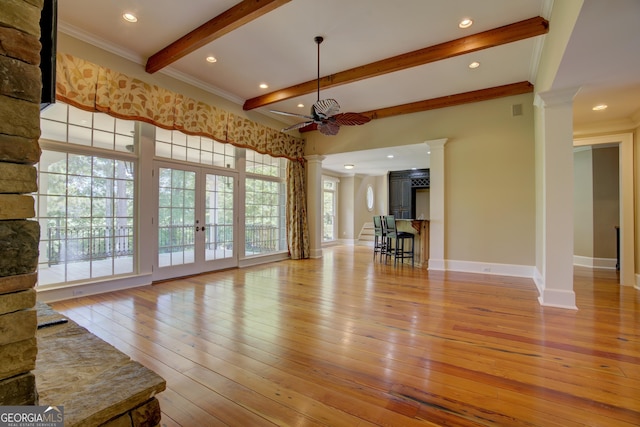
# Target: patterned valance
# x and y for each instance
(95, 88)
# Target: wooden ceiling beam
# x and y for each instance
(452, 100)
(498, 36)
(445, 101)
(233, 18)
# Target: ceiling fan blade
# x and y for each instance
(326, 108)
(284, 113)
(328, 127)
(298, 126)
(351, 119)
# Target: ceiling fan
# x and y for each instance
(324, 112)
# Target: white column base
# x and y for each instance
(558, 298)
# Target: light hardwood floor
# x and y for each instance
(345, 341)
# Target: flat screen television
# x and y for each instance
(48, 39)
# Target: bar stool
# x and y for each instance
(380, 237)
(399, 251)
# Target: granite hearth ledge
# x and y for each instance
(97, 384)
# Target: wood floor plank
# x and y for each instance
(344, 340)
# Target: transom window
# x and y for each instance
(65, 123)
(172, 144)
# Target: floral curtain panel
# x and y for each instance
(95, 88)
(297, 226)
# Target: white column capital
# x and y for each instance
(314, 158)
(556, 98)
(435, 144)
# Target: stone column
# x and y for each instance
(20, 87)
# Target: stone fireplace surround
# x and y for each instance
(62, 364)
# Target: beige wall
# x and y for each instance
(636, 183)
(364, 215)
(606, 201)
(346, 203)
(490, 187)
(596, 201)
(583, 202)
(423, 203)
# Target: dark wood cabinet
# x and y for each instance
(402, 191)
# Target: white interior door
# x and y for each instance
(196, 220)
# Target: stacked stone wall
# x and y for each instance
(20, 88)
(100, 391)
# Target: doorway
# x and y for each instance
(195, 220)
(627, 229)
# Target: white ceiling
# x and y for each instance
(278, 48)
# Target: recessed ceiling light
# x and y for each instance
(465, 23)
(263, 85)
(300, 105)
(349, 166)
(130, 17)
(474, 64)
(390, 156)
(211, 59)
(600, 107)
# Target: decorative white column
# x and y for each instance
(436, 202)
(556, 139)
(314, 203)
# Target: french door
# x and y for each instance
(196, 220)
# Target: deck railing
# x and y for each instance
(73, 244)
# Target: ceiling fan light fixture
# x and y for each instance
(325, 114)
(465, 23)
(129, 17)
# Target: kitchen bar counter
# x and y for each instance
(420, 228)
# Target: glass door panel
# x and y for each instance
(176, 217)
(219, 217)
(328, 204)
(195, 222)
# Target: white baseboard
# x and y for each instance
(437, 264)
(347, 242)
(637, 286)
(595, 263)
(315, 253)
(490, 268)
(60, 293)
(262, 259)
(558, 298)
(538, 280)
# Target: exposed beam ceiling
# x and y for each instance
(233, 18)
(445, 101)
(506, 34)
(452, 100)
